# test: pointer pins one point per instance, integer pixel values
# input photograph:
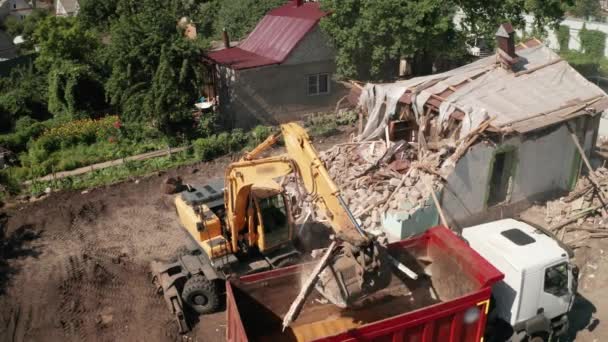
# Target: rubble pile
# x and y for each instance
(581, 215)
(375, 180)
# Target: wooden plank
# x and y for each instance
(592, 175)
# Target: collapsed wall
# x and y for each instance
(376, 181)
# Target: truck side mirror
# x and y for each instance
(575, 274)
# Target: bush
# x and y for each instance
(583, 63)
(259, 134)
(563, 38)
(220, 144)
(26, 129)
(86, 131)
(593, 43)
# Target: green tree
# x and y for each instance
(13, 26)
(97, 13)
(74, 90)
(482, 17)
(586, 8)
(371, 36)
(239, 17)
(173, 89)
(63, 39)
(22, 94)
(143, 88)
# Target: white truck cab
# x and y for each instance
(540, 281)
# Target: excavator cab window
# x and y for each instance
(275, 220)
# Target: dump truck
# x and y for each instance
(498, 280)
(245, 225)
(540, 281)
(450, 300)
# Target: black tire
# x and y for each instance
(289, 261)
(201, 295)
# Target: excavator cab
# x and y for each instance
(276, 226)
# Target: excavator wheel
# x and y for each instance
(201, 294)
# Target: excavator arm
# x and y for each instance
(319, 185)
(355, 265)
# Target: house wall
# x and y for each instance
(4, 8)
(544, 167)
(278, 93)
(19, 9)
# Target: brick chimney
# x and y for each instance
(298, 3)
(226, 38)
(505, 42)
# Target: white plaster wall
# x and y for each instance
(315, 47)
(544, 164)
(575, 25)
(465, 191)
(545, 161)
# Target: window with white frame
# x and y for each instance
(318, 84)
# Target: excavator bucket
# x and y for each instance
(353, 273)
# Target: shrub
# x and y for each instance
(86, 131)
(220, 144)
(593, 43)
(259, 134)
(563, 37)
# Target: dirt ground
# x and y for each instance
(74, 266)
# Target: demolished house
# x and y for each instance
(282, 71)
(481, 142)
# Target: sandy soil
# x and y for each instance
(74, 266)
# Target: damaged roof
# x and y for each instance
(540, 90)
(274, 37)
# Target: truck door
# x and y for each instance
(555, 295)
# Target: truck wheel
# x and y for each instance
(289, 261)
(201, 295)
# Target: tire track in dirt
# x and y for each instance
(86, 278)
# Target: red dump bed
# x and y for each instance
(449, 303)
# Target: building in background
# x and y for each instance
(282, 71)
(66, 8)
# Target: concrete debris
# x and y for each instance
(372, 188)
(577, 217)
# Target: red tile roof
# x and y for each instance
(274, 37)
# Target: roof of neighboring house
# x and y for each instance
(274, 37)
(541, 90)
(70, 6)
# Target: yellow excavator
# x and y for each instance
(246, 226)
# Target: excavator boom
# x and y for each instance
(320, 186)
(355, 266)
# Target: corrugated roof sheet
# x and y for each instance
(274, 37)
(543, 90)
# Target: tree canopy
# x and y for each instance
(586, 8)
(371, 36)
